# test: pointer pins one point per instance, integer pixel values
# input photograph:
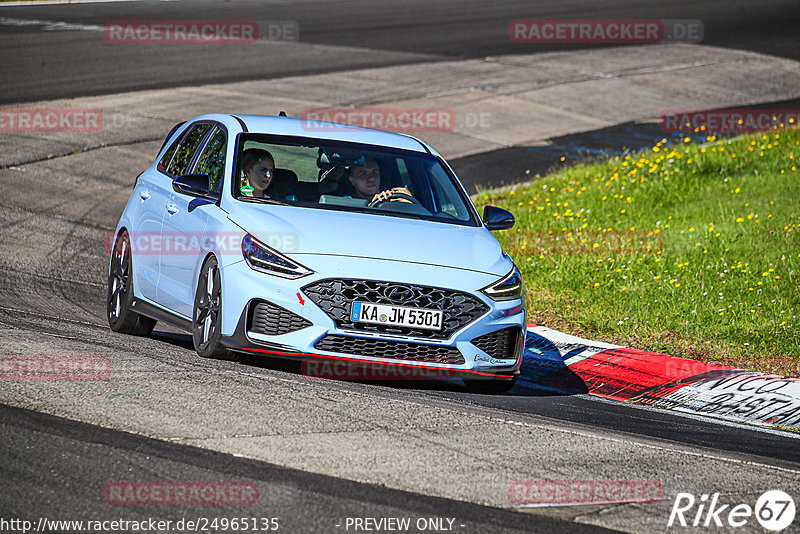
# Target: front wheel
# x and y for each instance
(207, 315)
(121, 318)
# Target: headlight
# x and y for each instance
(507, 288)
(267, 260)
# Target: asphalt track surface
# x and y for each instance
(41, 61)
(57, 465)
(302, 502)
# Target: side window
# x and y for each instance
(212, 160)
(186, 149)
(446, 191)
(444, 203)
(164, 163)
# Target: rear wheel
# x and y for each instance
(490, 386)
(207, 315)
(120, 293)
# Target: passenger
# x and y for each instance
(366, 181)
(258, 167)
(258, 172)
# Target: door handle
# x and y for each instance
(172, 209)
(144, 194)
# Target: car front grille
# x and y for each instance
(381, 348)
(500, 344)
(272, 320)
(335, 297)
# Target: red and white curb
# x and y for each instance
(568, 364)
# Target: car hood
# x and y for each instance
(297, 231)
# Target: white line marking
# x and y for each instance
(50, 25)
(61, 2)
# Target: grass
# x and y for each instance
(690, 249)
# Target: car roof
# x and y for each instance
(294, 127)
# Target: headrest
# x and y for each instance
(284, 175)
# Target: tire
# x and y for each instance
(120, 292)
(490, 386)
(207, 314)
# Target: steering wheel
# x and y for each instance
(377, 203)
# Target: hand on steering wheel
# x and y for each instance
(398, 194)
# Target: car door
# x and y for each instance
(184, 223)
(152, 192)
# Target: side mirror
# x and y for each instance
(497, 218)
(196, 185)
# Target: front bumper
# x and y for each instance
(477, 350)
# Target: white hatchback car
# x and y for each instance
(318, 241)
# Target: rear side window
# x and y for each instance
(212, 160)
(186, 149)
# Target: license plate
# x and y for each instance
(365, 312)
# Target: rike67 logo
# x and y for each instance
(774, 510)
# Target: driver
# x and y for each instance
(366, 181)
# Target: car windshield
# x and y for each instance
(322, 174)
